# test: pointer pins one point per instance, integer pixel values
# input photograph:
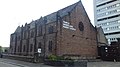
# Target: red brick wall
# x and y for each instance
(83, 43)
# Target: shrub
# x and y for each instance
(52, 58)
(55, 58)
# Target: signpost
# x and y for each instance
(39, 50)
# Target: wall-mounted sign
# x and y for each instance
(68, 26)
(39, 50)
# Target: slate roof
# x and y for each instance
(52, 17)
(18, 30)
(32, 25)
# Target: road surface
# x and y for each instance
(2, 64)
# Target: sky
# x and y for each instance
(18, 12)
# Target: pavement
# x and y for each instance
(103, 64)
(2, 64)
(16, 63)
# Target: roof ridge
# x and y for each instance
(64, 8)
(62, 12)
(70, 5)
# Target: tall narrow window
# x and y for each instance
(31, 47)
(39, 45)
(50, 46)
(18, 38)
(18, 48)
(40, 31)
(24, 48)
(50, 30)
(32, 33)
(81, 26)
(24, 34)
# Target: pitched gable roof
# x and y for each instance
(18, 29)
(52, 17)
(32, 24)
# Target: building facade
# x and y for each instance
(107, 15)
(67, 32)
(110, 53)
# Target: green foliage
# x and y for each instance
(55, 58)
(52, 57)
(58, 58)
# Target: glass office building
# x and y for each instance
(107, 15)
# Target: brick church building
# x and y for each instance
(66, 32)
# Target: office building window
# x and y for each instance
(109, 23)
(108, 7)
(102, 14)
(105, 29)
(113, 39)
(113, 11)
(118, 21)
(111, 28)
(113, 22)
(108, 13)
(118, 10)
(101, 9)
(118, 4)
(109, 17)
(106, 3)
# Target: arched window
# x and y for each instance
(18, 48)
(32, 33)
(31, 47)
(24, 35)
(40, 31)
(81, 26)
(24, 48)
(50, 46)
(39, 45)
(18, 38)
(50, 30)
